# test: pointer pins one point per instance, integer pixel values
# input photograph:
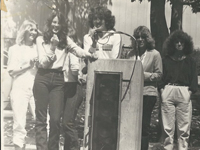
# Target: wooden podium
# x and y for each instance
(127, 120)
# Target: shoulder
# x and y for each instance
(154, 53)
(39, 39)
(190, 59)
(167, 59)
(113, 34)
(86, 36)
(117, 37)
(14, 48)
(72, 56)
(69, 39)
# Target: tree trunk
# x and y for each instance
(159, 32)
(176, 16)
(158, 23)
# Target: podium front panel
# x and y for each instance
(129, 123)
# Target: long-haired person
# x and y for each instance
(178, 82)
(152, 66)
(101, 38)
(48, 89)
(21, 67)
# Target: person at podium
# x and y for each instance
(152, 66)
(101, 38)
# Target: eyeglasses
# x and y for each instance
(140, 37)
(178, 41)
(33, 29)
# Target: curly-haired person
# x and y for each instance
(101, 39)
(179, 81)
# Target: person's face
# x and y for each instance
(99, 24)
(31, 33)
(179, 45)
(141, 41)
(55, 25)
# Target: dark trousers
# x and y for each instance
(148, 105)
(73, 99)
(48, 92)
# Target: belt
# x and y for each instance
(59, 70)
(175, 84)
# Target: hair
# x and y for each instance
(62, 34)
(22, 30)
(145, 33)
(103, 14)
(169, 46)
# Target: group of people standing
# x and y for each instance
(46, 68)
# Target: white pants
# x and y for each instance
(21, 98)
(176, 108)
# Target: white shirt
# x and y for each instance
(18, 56)
(71, 68)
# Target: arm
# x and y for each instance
(157, 69)
(87, 42)
(194, 78)
(76, 50)
(46, 57)
(74, 64)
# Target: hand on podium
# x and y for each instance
(93, 57)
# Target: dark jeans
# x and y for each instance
(73, 99)
(48, 91)
(148, 105)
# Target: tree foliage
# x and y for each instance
(194, 4)
(76, 12)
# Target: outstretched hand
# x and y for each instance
(93, 57)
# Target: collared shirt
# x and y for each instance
(142, 58)
(109, 46)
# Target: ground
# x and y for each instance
(154, 139)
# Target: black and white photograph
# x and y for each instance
(100, 74)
